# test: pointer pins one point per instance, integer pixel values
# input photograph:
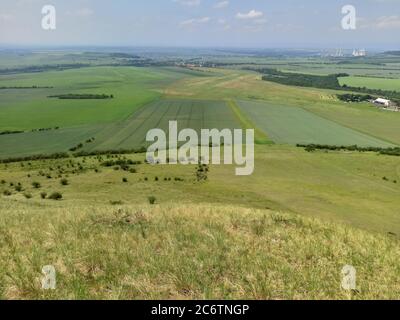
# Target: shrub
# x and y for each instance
(132, 170)
(116, 203)
(152, 199)
(3, 182)
(55, 196)
(36, 185)
(7, 192)
(27, 195)
(124, 180)
(43, 195)
(64, 182)
(18, 188)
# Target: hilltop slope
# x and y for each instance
(197, 251)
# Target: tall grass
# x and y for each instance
(181, 252)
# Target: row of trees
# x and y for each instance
(387, 151)
(85, 96)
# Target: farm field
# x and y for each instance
(193, 114)
(240, 85)
(129, 133)
(25, 109)
(291, 125)
(371, 83)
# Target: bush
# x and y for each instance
(36, 185)
(64, 182)
(43, 195)
(116, 203)
(124, 180)
(27, 195)
(7, 192)
(152, 199)
(55, 196)
(18, 188)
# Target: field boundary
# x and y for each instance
(246, 123)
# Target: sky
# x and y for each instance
(202, 23)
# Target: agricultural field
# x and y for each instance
(372, 83)
(194, 114)
(126, 134)
(26, 109)
(290, 125)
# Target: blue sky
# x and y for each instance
(202, 23)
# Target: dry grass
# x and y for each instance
(183, 252)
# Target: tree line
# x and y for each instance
(386, 151)
(85, 96)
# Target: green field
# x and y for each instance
(194, 114)
(129, 133)
(372, 83)
(32, 109)
(291, 125)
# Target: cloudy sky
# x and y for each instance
(201, 23)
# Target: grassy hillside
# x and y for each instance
(362, 190)
(181, 252)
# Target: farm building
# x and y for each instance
(383, 102)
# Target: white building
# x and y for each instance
(359, 53)
(383, 102)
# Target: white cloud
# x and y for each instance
(388, 22)
(221, 4)
(192, 22)
(83, 12)
(252, 14)
(189, 3)
(381, 23)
